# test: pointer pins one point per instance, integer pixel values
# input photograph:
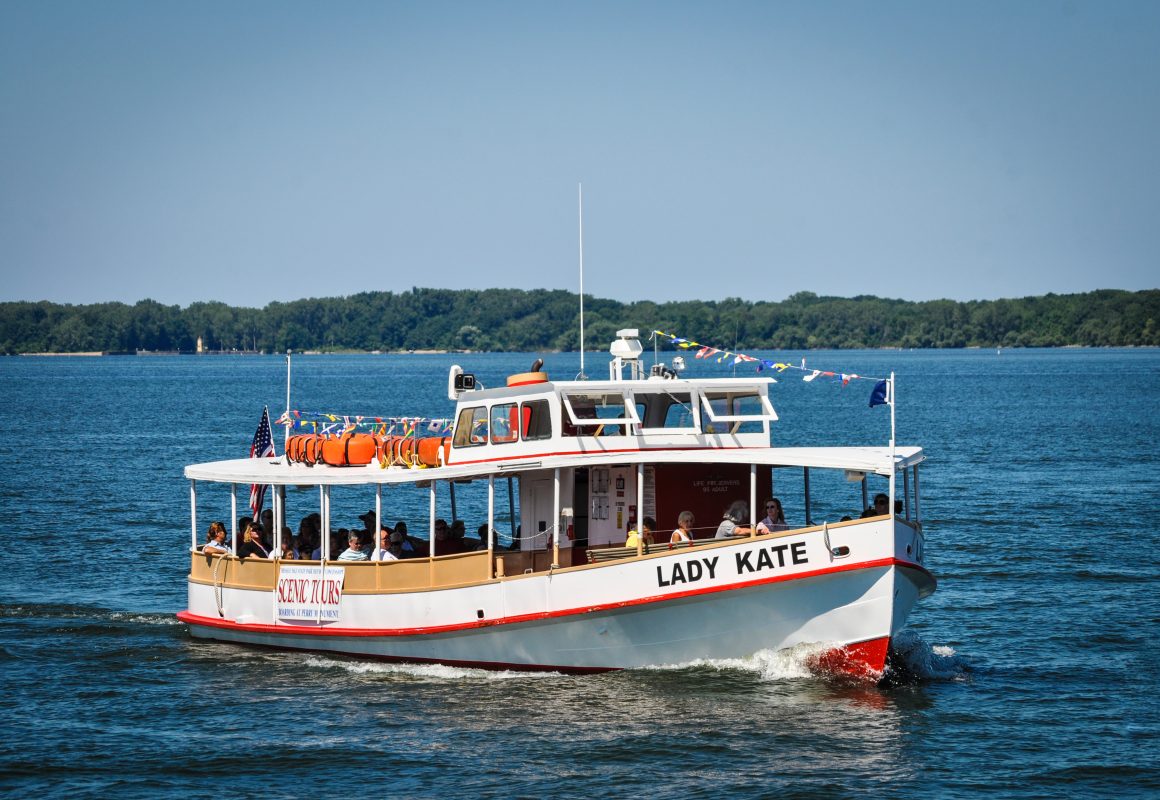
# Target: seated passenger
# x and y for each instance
(440, 545)
(646, 533)
(251, 545)
(289, 551)
(774, 519)
(383, 551)
(880, 508)
(732, 521)
(455, 537)
(412, 547)
(482, 533)
(684, 531)
(215, 540)
(354, 552)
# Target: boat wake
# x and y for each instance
(81, 612)
(768, 665)
(912, 660)
(422, 672)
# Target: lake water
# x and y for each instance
(1032, 672)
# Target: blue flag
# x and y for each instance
(878, 396)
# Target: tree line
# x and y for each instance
(543, 320)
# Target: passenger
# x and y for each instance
(455, 537)
(268, 524)
(774, 519)
(252, 543)
(368, 521)
(648, 525)
(732, 521)
(409, 547)
(289, 551)
(215, 540)
(440, 545)
(244, 526)
(684, 531)
(481, 532)
(383, 551)
(337, 540)
(354, 552)
(398, 543)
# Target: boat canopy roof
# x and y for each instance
(276, 471)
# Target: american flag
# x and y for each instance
(262, 447)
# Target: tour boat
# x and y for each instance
(574, 464)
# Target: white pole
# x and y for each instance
(325, 502)
(286, 439)
(276, 499)
(490, 524)
(640, 508)
(556, 517)
(193, 512)
(752, 500)
(234, 517)
(893, 470)
(580, 192)
(378, 512)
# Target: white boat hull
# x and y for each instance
(658, 610)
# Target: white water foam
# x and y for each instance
(145, 619)
(769, 665)
(426, 672)
(916, 659)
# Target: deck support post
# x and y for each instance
(556, 517)
(234, 517)
(639, 509)
(193, 514)
(490, 526)
(917, 512)
(806, 481)
(752, 500)
(906, 491)
(431, 538)
(324, 492)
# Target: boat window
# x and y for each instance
(671, 412)
(597, 414)
(537, 420)
(471, 427)
(742, 411)
(504, 427)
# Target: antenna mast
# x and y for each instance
(580, 196)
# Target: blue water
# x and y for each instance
(1030, 673)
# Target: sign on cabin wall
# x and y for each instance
(308, 592)
(707, 490)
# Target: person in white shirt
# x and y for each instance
(353, 552)
(684, 531)
(383, 551)
(216, 540)
(774, 520)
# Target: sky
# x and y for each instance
(261, 151)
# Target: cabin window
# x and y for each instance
(504, 423)
(537, 420)
(471, 427)
(736, 412)
(598, 414)
(674, 412)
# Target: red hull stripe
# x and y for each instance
(294, 630)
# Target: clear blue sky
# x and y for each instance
(257, 151)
